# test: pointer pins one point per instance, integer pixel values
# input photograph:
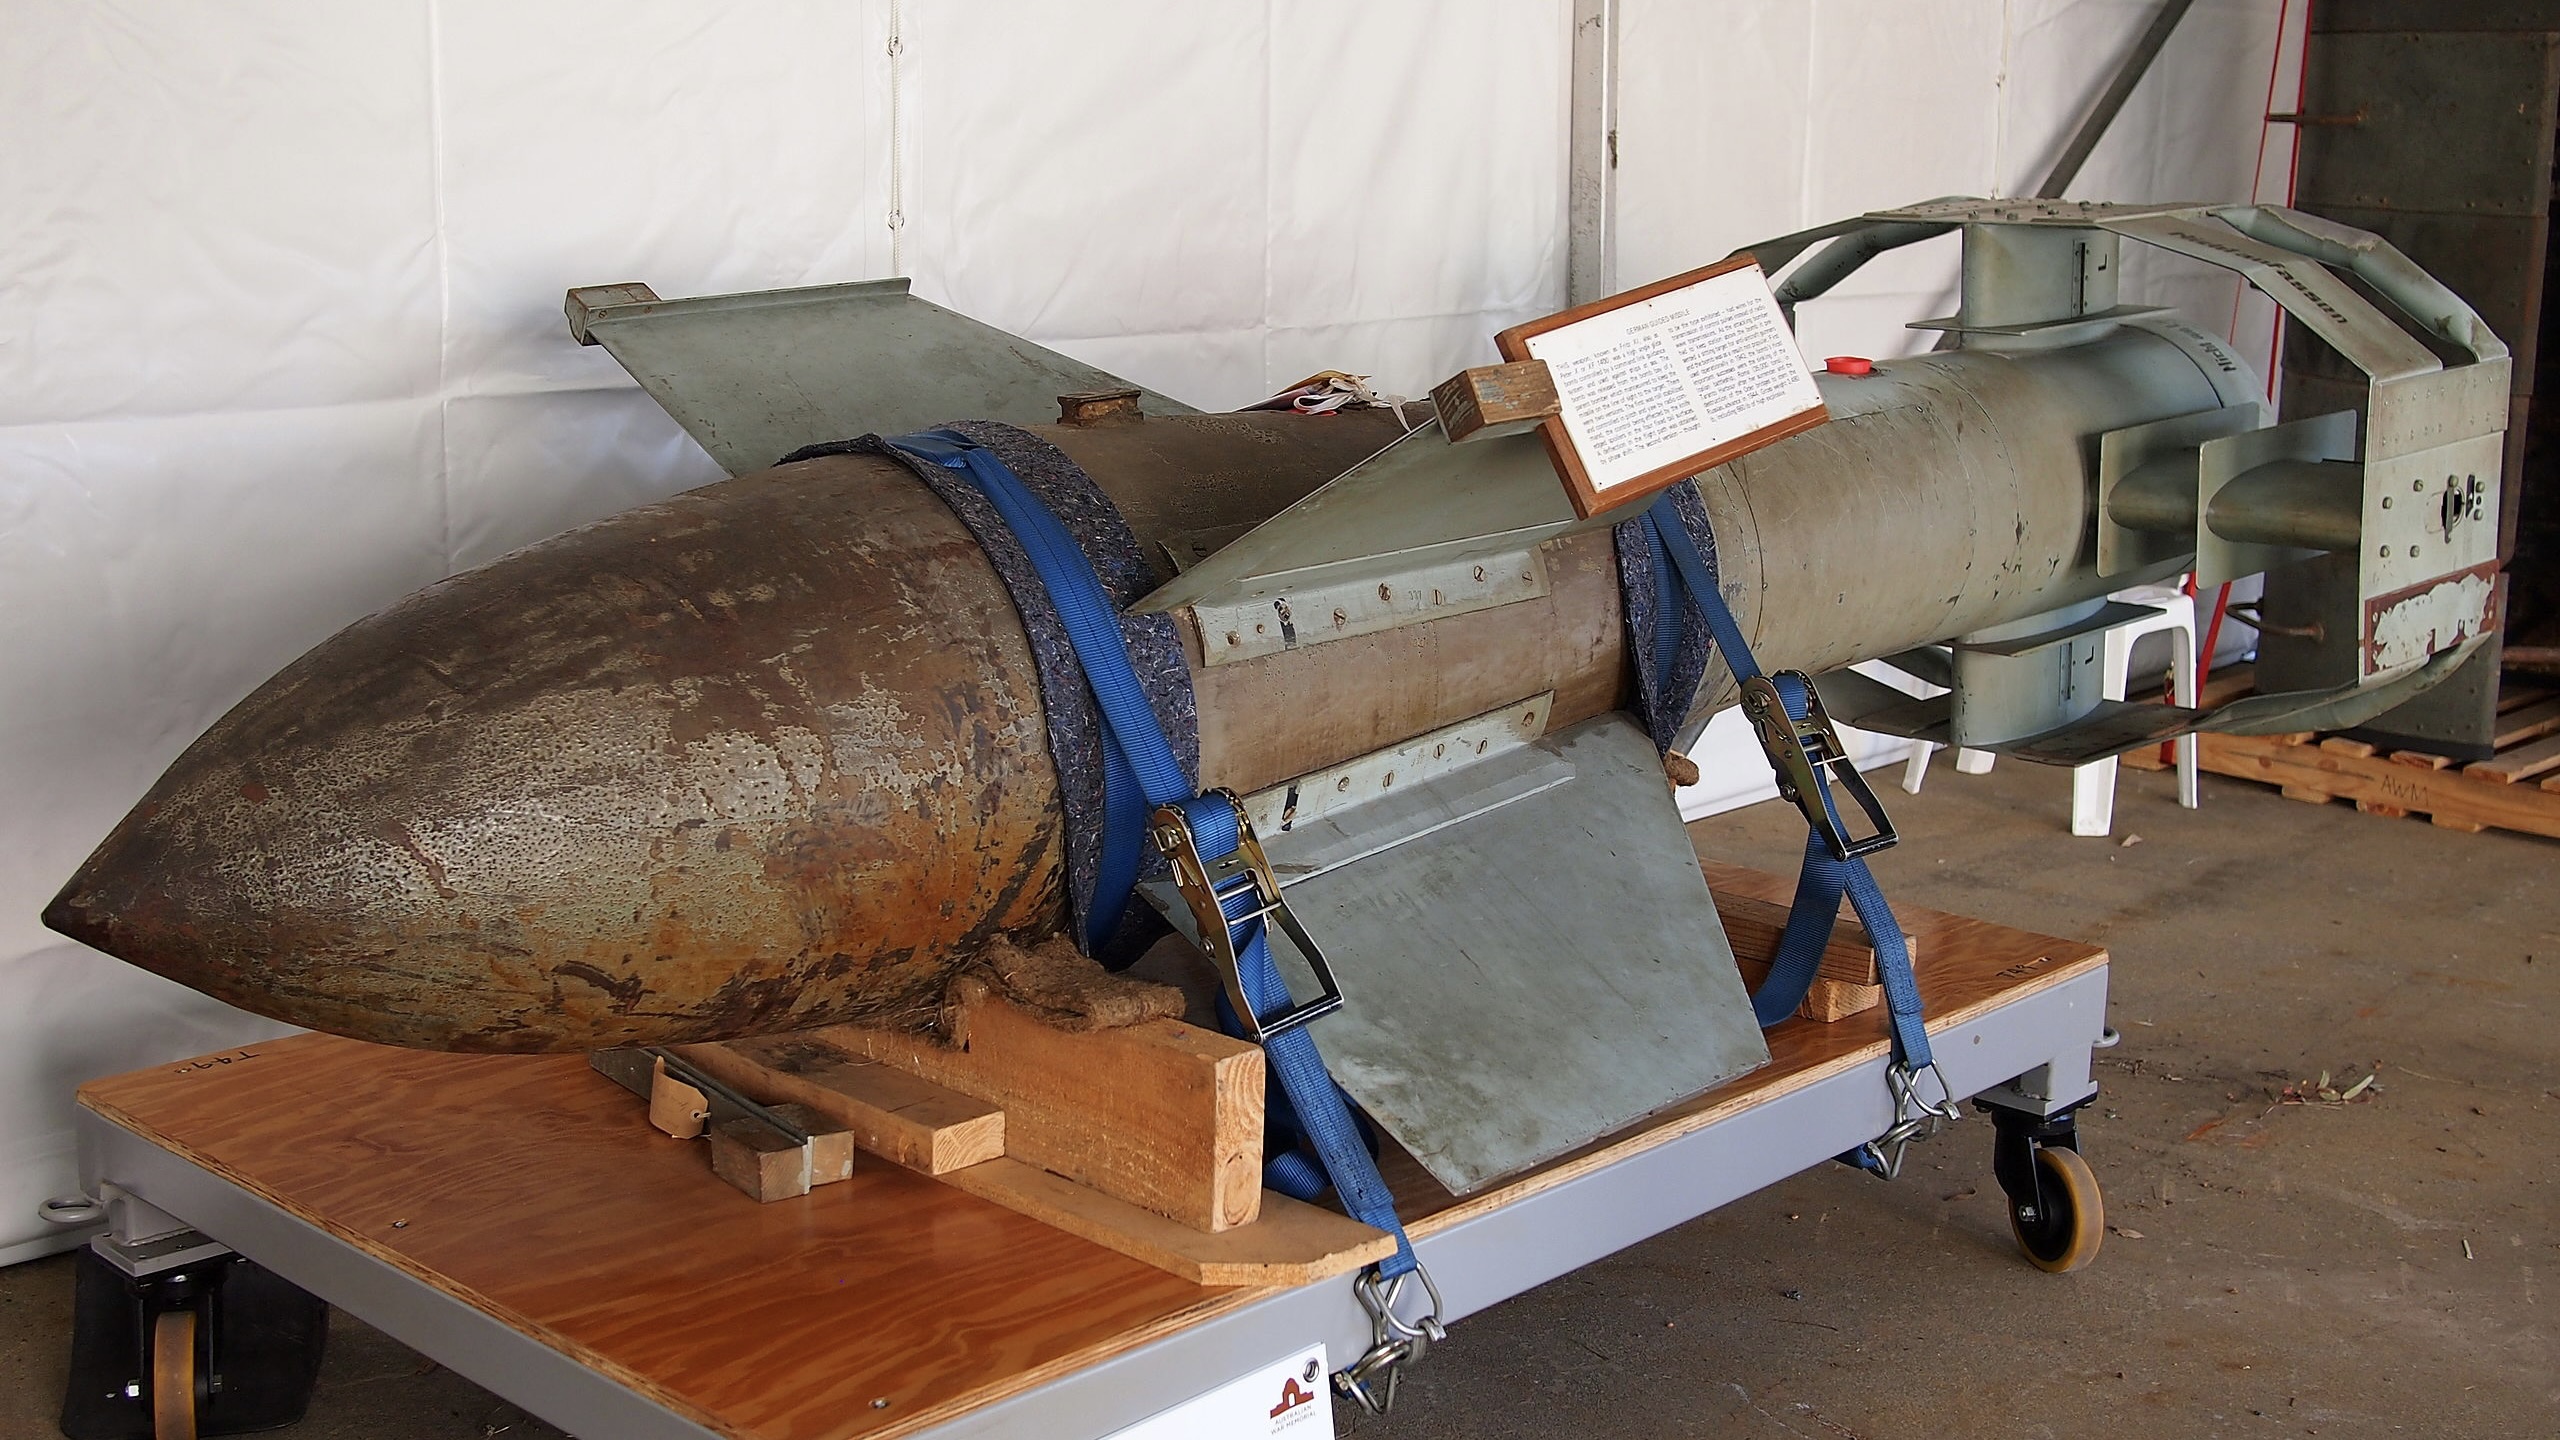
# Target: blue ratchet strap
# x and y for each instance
(1828, 874)
(1141, 774)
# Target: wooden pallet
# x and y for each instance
(2516, 789)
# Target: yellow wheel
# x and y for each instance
(173, 1376)
(2060, 1229)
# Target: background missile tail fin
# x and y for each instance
(755, 376)
(1419, 504)
(1528, 955)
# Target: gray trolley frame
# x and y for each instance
(2029, 1053)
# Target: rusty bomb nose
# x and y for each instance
(763, 756)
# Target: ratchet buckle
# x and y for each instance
(1209, 885)
(1803, 752)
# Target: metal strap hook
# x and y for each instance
(1915, 1117)
(1396, 1344)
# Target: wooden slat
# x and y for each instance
(2341, 745)
(2420, 759)
(929, 1128)
(1293, 1243)
(2530, 723)
(2521, 763)
(1164, 1115)
(2515, 695)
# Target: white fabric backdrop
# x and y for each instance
(280, 280)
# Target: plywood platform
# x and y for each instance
(879, 1306)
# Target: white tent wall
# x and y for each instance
(279, 284)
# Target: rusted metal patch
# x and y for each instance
(2406, 626)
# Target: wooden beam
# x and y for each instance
(908, 1121)
(1293, 1243)
(759, 1160)
(1164, 1115)
(1490, 400)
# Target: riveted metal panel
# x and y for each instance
(756, 376)
(1528, 956)
(2412, 121)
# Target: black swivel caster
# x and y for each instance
(216, 1346)
(2055, 1210)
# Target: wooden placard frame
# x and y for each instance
(1588, 498)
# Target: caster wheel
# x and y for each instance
(173, 1376)
(2060, 1228)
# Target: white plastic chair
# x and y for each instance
(1968, 762)
(2093, 786)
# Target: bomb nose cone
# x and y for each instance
(764, 756)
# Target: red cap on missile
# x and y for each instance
(1849, 365)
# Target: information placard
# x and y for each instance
(1662, 382)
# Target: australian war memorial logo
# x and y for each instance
(1297, 1396)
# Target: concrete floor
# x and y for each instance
(2365, 1269)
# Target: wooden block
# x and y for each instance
(1828, 1000)
(831, 1145)
(887, 1111)
(2305, 794)
(2521, 763)
(2341, 745)
(2420, 759)
(2456, 822)
(1755, 925)
(1491, 400)
(1824, 1000)
(1294, 1243)
(760, 1160)
(2295, 737)
(1089, 408)
(1164, 1115)
(2377, 807)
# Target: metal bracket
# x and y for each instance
(1203, 884)
(1799, 751)
(634, 1067)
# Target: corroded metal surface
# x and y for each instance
(765, 755)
